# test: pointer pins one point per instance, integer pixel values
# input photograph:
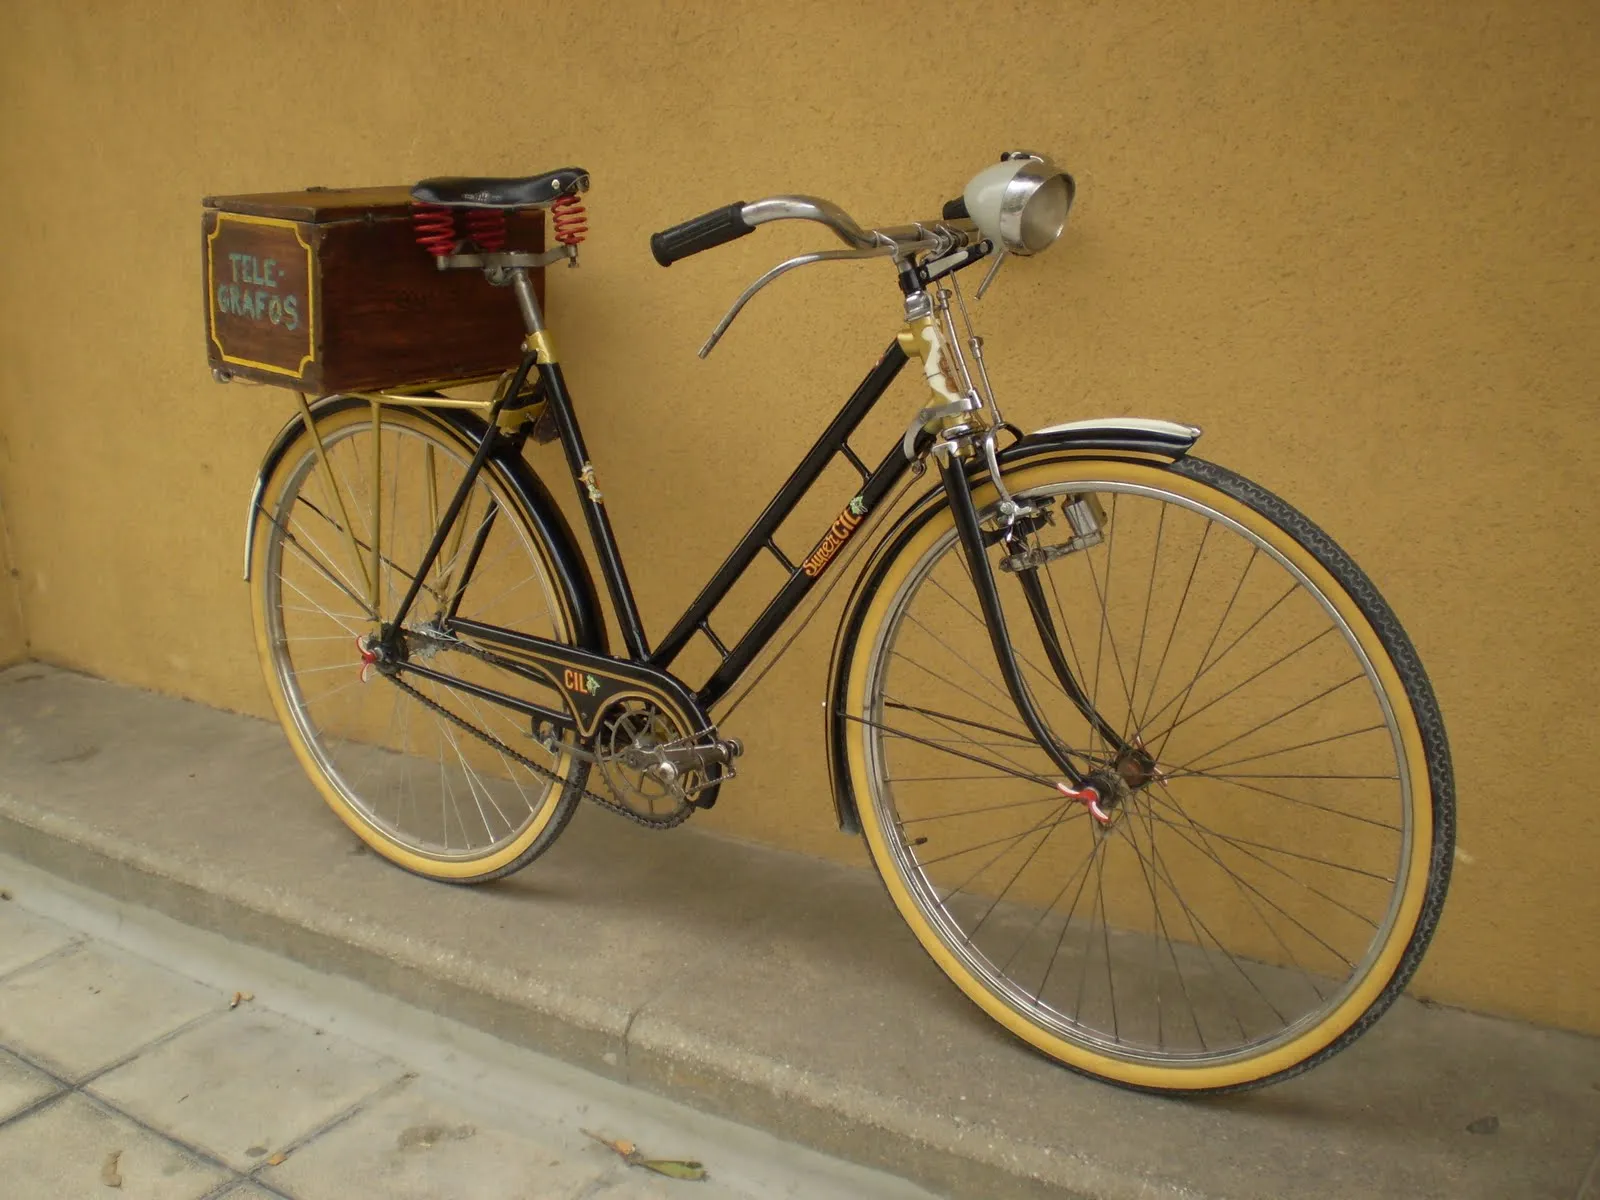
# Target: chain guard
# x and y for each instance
(670, 745)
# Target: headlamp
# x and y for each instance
(1020, 203)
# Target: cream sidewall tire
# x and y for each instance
(1234, 1073)
(451, 870)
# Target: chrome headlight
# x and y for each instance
(1020, 203)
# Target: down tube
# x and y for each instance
(822, 452)
(804, 577)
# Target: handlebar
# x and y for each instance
(715, 228)
(723, 225)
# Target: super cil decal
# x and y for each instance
(844, 525)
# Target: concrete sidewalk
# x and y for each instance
(771, 988)
(175, 1065)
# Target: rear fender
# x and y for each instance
(572, 572)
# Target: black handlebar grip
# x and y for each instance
(710, 229)
(956, 210)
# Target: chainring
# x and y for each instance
(628, 747)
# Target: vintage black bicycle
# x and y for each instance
(1142, 757)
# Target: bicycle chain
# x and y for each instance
(670, 821)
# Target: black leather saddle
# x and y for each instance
(536, 191)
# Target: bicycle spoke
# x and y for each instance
(1046, 676)
(1277, 662)
(893, 732)
(1322, 741)
(950, 683)
(1099, 899)
(1046, 909)
(1277, 937)
(967, 738)
(1095, 849)
(1241, 842)
(1019, 735)
(1233, 645)
(1177, 617)
(1147, 872)
(1107, 634)
(1209, 852)
(1144, 623)
(988, 808)
(1015, 875)
(325, 571)
(1198, 924)
(296, 532)
(1233, 781)
(337, 618)
(1273, 720)
(1210, 645)
(1054, 819)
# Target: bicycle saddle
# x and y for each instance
(536, 191)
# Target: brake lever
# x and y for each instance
(881, 250)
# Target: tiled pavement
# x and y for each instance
(115, 1068)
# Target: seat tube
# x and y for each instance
(542, 345)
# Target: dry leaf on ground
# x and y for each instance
(109, 1175)
(673, 1168)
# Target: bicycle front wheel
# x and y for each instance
(422, 768)
(1279, 844)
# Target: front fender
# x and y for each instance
(1143, 436)
(1139, 437)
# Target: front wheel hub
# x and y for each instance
(1103, 794)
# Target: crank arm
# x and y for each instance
(674, 761)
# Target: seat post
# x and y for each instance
(527, 300)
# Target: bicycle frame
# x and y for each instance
(646, 672)
(802, 577)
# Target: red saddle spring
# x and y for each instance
(436, 228)
(487, 227)
(570, 221)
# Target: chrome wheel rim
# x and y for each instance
(1177, 951)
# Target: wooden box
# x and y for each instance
(327, 291)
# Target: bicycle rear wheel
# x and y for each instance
(426, 781)
(1272, 871)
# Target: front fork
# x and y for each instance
(1130, 766)
(959, 490)
(952, 418)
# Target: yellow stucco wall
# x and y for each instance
(1356, 242)
(13, 644)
